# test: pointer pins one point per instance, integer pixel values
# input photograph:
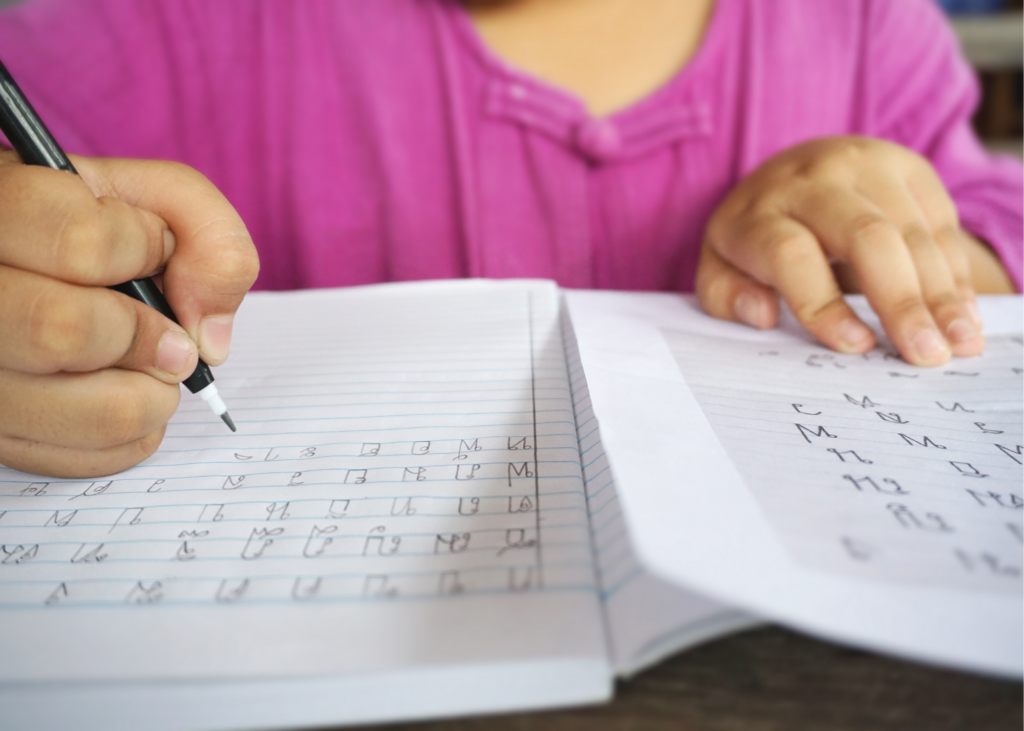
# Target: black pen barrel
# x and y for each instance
(146, 291)
(25, 130)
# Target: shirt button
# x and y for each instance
(598, 140)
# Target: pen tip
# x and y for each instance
(227, 420)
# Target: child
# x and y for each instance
(743, 148)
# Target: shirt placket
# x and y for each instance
(588, 217)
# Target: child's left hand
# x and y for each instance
(874, 206)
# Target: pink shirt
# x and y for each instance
(375, 140)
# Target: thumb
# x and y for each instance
(727, 293)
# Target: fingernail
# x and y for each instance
(960, 330)
(853, 335)
(751, 310)
(169, 243)
(173, 352)
(972, 310)
(928, 343)
(215, 337)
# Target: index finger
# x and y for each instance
(51, 223)
(780, 252)
(863, 236)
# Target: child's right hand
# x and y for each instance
(89, 376)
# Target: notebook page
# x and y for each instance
(683, 493)
(403, 493)
(906, 475)
(647, 618)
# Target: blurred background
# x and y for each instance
(991, 33)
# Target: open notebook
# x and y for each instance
(419, 517)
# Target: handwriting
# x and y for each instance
(957, 406)
(19, 553)
(520, 579)
(894, 490)
(456, 543)
(798, 409)
(892, 418)
(211, 513)
(319, 540)
(856, 549)
(57, 595)
(230, 591)
(922, 442)
(95, 488)
(1007, 500)
(967, 469)
(401, 506)
(233, 482)
(35, 488)
(260, 539)
(1014, 453)
(521, 470)
(304, 589)
(419, 461)
(988, 562)
(377, 586)
(61, 518)
(892, 501)
(450, 583)
(908, 519)
(851, 452)
(89, 553)
(278, 511)
(143, 593)
(864, 402)
(465, 447)
(809, 431)
(338, 508)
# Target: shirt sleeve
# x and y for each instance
(921, 93)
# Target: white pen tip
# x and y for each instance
(217, 405)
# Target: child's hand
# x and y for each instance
(88, 376)
(873, 206)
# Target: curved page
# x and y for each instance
(820, 490)
(647, 617)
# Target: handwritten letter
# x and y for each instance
(869, 466)
(394, 447)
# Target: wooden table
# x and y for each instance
(772, 679)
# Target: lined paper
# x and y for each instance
(685, 491)
(647, 618)
(404, 490)
(869, 466)
(615, 563)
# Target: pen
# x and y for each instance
(36, 146)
